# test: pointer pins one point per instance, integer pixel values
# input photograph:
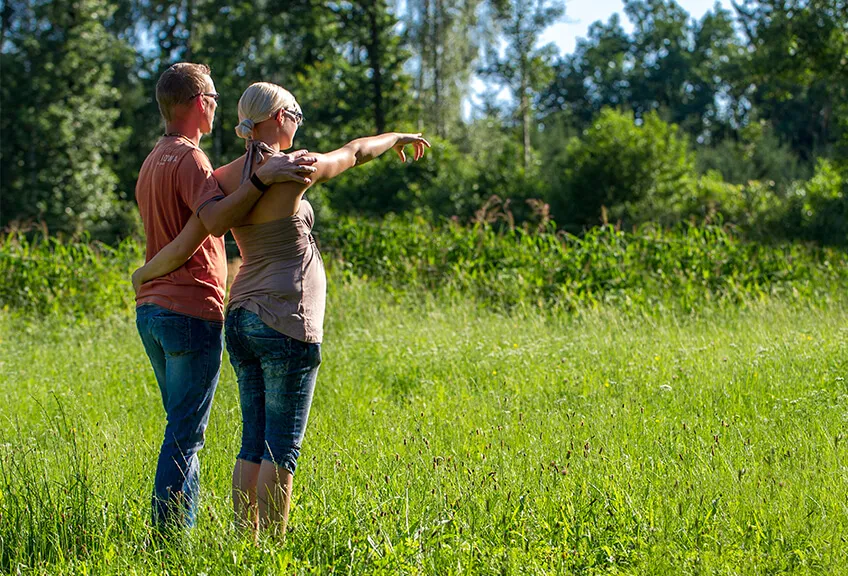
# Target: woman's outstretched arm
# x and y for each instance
(174, 255)
(362, 150)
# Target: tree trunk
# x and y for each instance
(189, 21)
(826, 112)
(423, 35)
(525, 110)
(525, 121)
(374, 58)
(437, 67)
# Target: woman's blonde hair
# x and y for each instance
(259, 102)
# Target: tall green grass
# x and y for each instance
(450, 439)
(649, 267)
(646, 269)
(66, 278)
(493, 402)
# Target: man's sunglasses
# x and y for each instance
(298, 116)
(213, 95)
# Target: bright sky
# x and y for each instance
(580, 14)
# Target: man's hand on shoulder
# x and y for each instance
(294, 167)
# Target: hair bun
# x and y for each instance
(244, 129)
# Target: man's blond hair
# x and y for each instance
(178, 84)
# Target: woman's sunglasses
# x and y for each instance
(298, 116)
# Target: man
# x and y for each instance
(180, 315)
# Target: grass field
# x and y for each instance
(449, 438)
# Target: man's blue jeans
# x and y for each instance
(186, 356)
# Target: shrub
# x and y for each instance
(498, 157)
(446, 182)
(651, 266)
(757, 155)
(48, 276)
(817, 208)
(648, 269)
(623, 166)
(442, 184)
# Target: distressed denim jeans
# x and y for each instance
(185, 353)
(276, 379)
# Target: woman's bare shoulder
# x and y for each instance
(229, 175)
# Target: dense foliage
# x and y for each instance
(47, 276)
(739, 115)
(634, 170)
(649, 269)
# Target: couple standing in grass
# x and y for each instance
(274, 318)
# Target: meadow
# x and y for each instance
(450, 436)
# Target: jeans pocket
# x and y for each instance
(173, 333)
(270, 345)
(262, 340)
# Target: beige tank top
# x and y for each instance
(281, 278)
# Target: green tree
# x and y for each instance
(625, 167)
(799, 67)
(445, 38)
(377, 57)
(679, 67)
(524, 67)
(683, 67)
(595, 76)
(661, 46)
(719, 81)
(59, 114)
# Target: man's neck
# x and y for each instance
(183, 129)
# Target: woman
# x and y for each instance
(276, 309)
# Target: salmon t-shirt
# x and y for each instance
(175, 182)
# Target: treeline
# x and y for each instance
(740, 117)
